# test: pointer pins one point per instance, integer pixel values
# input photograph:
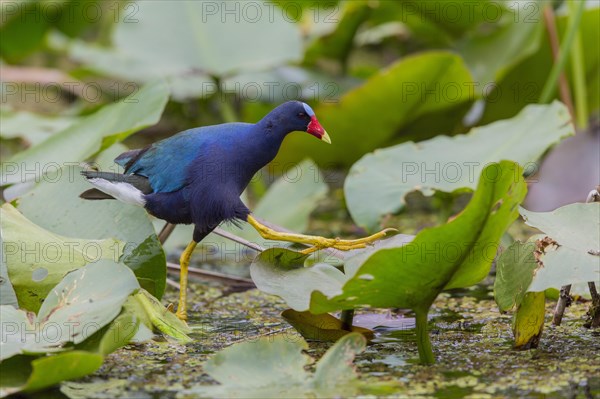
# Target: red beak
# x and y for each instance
(315, 128)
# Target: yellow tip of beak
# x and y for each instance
(326, 138)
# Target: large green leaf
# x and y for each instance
(262, 90)
(322, 327)
(457, 254)
(32, 128)
(524, 82)
(338, 44)
(89, 135)
(492, 49)
(202, 36)
(370, 115)
(37, 259)
(282, 272)
(402, 273)
(54, 204)
(205, 39)
(24, 24)
(275, 367)
(80, 305)
(379, 182)
(528, 322)
(515, 268)
(156, 315)
(571, 254)
(7, 291)
(29, 374)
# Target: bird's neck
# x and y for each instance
(273, 127)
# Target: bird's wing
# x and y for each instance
(166, 162)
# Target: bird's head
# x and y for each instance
(313, 127)
(299, 116)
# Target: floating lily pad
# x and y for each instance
(370, 115)
(412, 273)
(89, 135)
(37, 259)
(201, 44)
(80, 305)
(321, 327)
(379, 182)
(572, 255)
(54, 204)
(30, 374)
(515, 268)
(457, 254)
(528, 322)
(275, 367)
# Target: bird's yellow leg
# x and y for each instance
(316, 242)
(184, 263)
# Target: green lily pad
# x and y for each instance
(528, 322)
(492, 51)
(26, 23)
(285, 273)
(404, 273)
(571, 254)
(370, 115)
(32, 128)
(379, 182)
(321, 327)
(37, 259)
(113, 336)
(7, 291)
(336, 367)
(156, 315)
(281, 272)
(80, 305)
(202, 44)
(275, 367)
(29, 374)
(338, 44)
(457, 254)
(515, 268)
(54, 204)
(89, 135)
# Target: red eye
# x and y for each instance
(301, 114)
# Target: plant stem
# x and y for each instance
(594, 312)
(214, 276)
(347, 316)
(567, 42)
(423, 343)
(577, 66)
(563, 83)
(563, 301)
(230, 236)
(165, 232)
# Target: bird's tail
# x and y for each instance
(126, 188)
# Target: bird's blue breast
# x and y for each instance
(166, 163)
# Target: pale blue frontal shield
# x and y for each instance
(308, 109)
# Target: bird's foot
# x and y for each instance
(346, 245)
(181, 314)
(316, 243)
